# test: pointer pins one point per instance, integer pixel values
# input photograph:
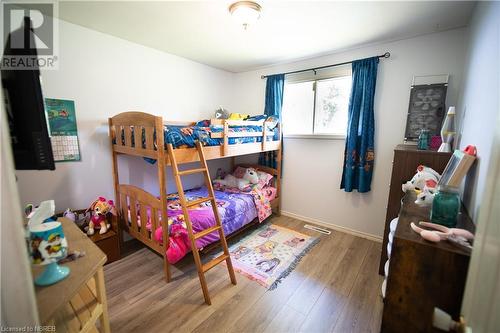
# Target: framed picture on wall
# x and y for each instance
(426, 110)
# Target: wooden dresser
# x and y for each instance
(404, 166)
(422, 275)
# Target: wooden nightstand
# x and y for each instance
(109, 242)
(77, 302)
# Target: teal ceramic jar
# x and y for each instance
(446, 206)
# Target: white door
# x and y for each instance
(18, 308)
(481, 305)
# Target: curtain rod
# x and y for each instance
(385, 55)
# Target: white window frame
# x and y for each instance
(324, 74)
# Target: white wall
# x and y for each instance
(313, 168)
(480, 97)
(106, 75)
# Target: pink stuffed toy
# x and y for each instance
(178, 245)
(440, 232)
(100, 208)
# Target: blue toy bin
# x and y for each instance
(47, 246)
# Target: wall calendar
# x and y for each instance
(61, 117)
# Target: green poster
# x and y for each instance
(63, 131)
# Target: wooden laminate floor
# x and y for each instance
(335, 288)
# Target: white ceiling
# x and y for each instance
(288, 30)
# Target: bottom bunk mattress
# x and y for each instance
(235, 209)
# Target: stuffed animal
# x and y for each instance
(424, 183)
(426, 197)
(69, 214)
(249, 177)
(100, 208)
(425, 176)
(439, 232)
(221, 113)
(238, 116)
(81, 220)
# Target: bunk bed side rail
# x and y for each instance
(236, 122)
(269, 170)
(138, 209)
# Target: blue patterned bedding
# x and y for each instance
(178, 139)
(202, 130)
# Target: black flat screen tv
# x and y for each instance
(25, 108)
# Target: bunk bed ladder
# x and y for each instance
(202, 268)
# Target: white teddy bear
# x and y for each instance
(250, 177)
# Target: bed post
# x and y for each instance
(278, 168)
(160, 147)
(116, 179)
(264, 136)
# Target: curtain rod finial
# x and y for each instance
(262, 76)
(387, 55)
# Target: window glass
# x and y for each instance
(298, 103)
(332, 101)
(317, 106)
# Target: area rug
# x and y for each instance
(270, 253)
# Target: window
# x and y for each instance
(317, 106)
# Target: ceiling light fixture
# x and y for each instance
(245, 12)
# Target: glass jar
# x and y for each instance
(446, 206)
(423, 140)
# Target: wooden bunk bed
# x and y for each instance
(136, 134)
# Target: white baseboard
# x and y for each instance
(333, 226)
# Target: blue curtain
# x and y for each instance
(274, 102)
(359, 148)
